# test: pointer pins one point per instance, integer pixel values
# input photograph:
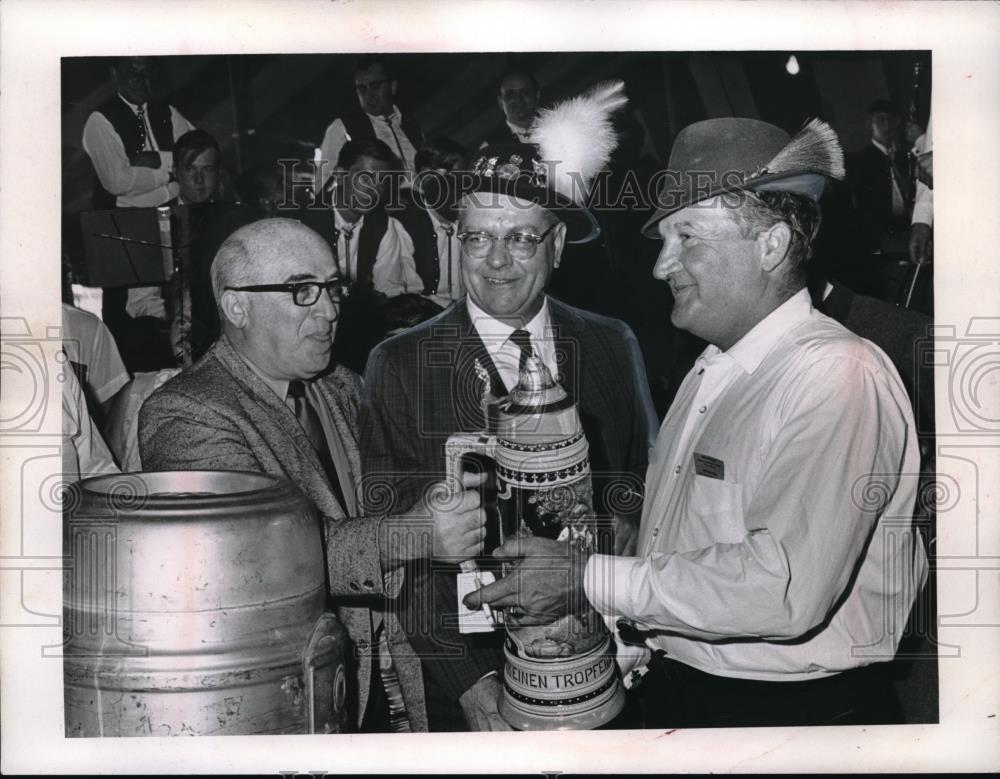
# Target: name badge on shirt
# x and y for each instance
(709, 466)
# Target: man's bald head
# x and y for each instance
(261, 249)
(276, 332)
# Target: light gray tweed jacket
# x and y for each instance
(219, 415)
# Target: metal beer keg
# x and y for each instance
(194, 604)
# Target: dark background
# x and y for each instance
(264, 106)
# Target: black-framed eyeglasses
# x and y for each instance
(520, 246)
(304, 293)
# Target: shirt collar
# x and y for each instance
(881, 148)
(278, 386)
(521, 133)
(340, 223)
(395, 116)
(753, 347)
(495, 333)
(135, 108)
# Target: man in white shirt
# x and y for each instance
(431, 227)
(84, 453)
(518, 97)
(923, 206)
(371, 247)
(776, 563)
(375, 116)
(93, 353)
(130, 140)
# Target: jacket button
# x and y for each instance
(363, 645)
(355, 586)
(369, 584)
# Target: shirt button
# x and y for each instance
(703, 409)
(656, 532)
(677, 469)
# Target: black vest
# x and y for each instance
(422, 229)
(368, 238)
(126, 125)
(501, 136)
(358, 125)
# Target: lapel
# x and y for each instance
(266, 409)
(469, 348)
(344, 448)
(566, 339)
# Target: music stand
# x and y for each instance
(127, 247)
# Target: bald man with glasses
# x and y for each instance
(265, 398)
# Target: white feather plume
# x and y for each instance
(576, 137)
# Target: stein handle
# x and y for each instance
(455, 448)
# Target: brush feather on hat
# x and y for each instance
(576, 138)
(814, 149)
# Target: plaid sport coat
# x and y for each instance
(219, 415)
(421, 386)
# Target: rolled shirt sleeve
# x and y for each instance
(840, 440)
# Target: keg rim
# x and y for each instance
(139, 492)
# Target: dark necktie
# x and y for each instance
(309, 419)
(348, 233)
(140, 117)
(388, 122)
(523, 340)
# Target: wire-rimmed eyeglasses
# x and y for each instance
(520, 246)
(304, 293)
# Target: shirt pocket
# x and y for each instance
(718, 505)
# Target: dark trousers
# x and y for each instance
(674, 695)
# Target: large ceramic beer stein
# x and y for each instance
(560, 676)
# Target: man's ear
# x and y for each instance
(558, 241)
(773, 245)
(234, 308)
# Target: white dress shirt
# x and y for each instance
(506, 354)
(923, 201)
(388, 129)
(394, 272)
(764, 549)
(84, 452)
(87, 341)
(136, 187)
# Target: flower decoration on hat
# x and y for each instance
(570, 143)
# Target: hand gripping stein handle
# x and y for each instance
(455, 448)
(485, 619)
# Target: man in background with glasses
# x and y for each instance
(423, 385)
(374, 116)
(264, 398)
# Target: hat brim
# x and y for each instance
(448, 190)
(806, 183)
